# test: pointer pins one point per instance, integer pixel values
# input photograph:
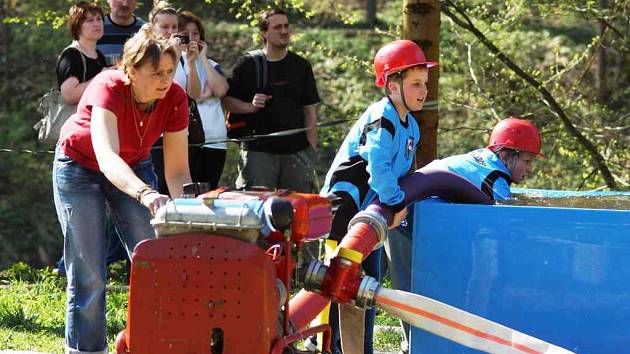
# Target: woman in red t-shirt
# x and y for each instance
(103, 162)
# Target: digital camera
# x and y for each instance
(183, 38)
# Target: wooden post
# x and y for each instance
(421, 24)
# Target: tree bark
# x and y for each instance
(144, 11)
(421, 24)
(603, 94)
(4, 51)
(370, 14)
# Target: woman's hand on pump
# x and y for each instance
(153, 200)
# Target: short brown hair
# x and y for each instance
(186, 17)
(399, 76)
(146, 47)
(263, 20)
(77, 15)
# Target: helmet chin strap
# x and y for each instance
(511, 161)
(402, 94)
(402, 91)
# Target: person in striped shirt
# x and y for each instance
(120, 24)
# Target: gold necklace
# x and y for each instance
(139, 122)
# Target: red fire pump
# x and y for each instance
(217, 277)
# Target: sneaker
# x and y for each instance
(59, 272)
(404, 347)
(310, 343)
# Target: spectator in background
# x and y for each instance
(120, 25)
(80, 61)
(287, 100)
(102, 162)
(207, 161)
(164, 21)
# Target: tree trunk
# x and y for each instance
(370, 14)
(4, 53)
(144, 10)
(421, 24)
(602, 66)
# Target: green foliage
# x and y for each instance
(557, 46)
(557, 42)
(22, 272)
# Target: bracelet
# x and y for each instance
(145, 193)
(142, 191)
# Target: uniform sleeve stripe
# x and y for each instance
(377, 124)
(487, 186)
(388, 125)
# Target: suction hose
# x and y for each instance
(342, 281)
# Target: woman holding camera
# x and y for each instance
(163, 19)
(102, 162)
(206, 161)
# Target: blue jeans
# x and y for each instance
(82, 197)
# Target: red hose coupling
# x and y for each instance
(340, 282)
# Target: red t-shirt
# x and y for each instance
(107, 90)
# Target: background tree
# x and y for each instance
(555, 42)
(421, 23)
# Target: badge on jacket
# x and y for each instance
(409, 147)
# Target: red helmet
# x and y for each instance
(517, 134)
(397, 56)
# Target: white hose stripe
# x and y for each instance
(460, 326)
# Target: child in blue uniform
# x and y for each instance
(514, 143)
(378, 150)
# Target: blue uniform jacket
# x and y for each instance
(378, 150)
(480, 167)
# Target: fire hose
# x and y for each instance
(342, 282)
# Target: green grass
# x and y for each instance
(32, 311)
(388, 340)
(32, 316)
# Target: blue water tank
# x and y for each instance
(558, 274)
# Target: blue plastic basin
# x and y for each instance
(559, 274)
